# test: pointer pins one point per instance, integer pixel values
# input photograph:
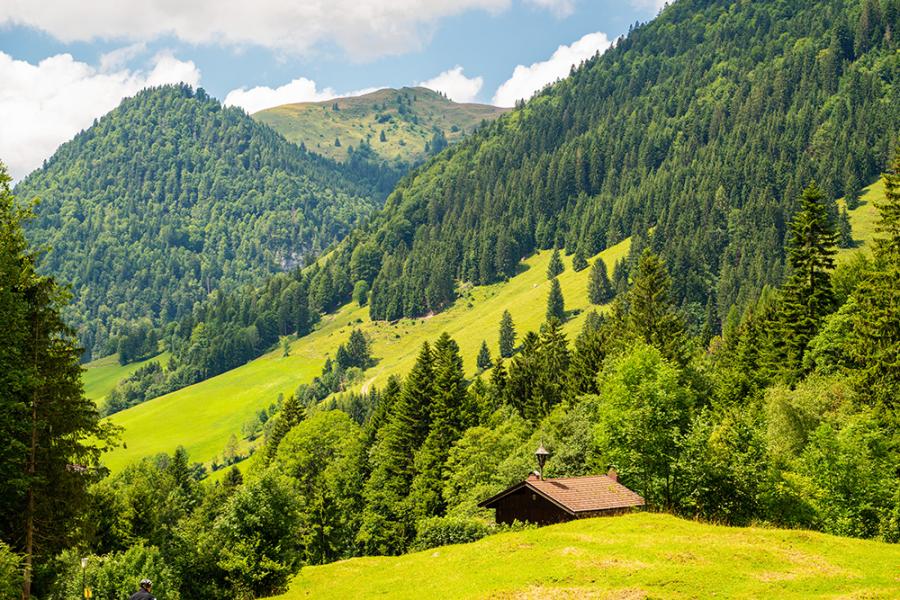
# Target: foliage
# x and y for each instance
(116, 574)
(556, 308)
(507, 335)
(442, 531)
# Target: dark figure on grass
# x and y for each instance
(144, 592)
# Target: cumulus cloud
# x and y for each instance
(655, 5)
(299, 90)
(366, 29)
(561, 8)
(45, 104)
(525, 81)
(455, 85)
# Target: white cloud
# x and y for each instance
(655, 5)
(44, 105)
(298, 90)
(455, 85)
(366, 29)
(525, 81)
(561, 8)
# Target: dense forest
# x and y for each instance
(171, 196)
(703, 125)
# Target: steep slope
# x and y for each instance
(633, 556)
(416, 122)
(704, 125)
(203, 416)
(170, 197)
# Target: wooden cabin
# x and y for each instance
(547, 501)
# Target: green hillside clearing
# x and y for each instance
(863, 218)
(635, 556)
(361, 118)
(102, 375)
(203, 416)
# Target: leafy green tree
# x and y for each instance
(600, 290)
(290, 415)
(556, 308)
(361, 292)
(652, 314)
(644, 415)
(322, 455)
(260, 535)
(112, 575)
(808, 296)
(507, 335)
(555, 267)
(484, 360)
(10, 572)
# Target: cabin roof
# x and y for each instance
(575, 494)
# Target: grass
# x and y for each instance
(365, 117)
(635, 556)
(203, 416)
(863, 219)
(102, 375)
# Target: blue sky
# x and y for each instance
(65, 63)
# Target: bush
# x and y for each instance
(10, 582)
(441, 531)
(118, 574)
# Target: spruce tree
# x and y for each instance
(845, 231)
(652, 314)
(600, 289)
(808, 296)
(554, 358)
(556, 265)
(290, 415)
(579, 262)
(484, 357)
(556, 308)
(48, 456)
(507, 335)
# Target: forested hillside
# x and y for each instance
(402, 126)
(703, 125)
(170, 197)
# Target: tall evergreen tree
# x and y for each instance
(808, 296)
(556, 265)
(507, 335)
(484, 361)
(290, 415)
(556, 308)
(845, 230)
(47, 457)
(600, 290)
(579, 262)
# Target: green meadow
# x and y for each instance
(635, 556)
(102, 375)
(203, 416)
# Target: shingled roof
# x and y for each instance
(577, 494)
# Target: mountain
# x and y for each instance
(414, 122)
(702, 126)
(171, 197)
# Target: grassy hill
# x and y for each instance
(203, 416)
(408, 118)
(863, 218)
(635, 556)
(101, 375)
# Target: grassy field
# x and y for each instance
(102, 375)
(360, 118)
(203, 416)
(863, 218)
(630, 557)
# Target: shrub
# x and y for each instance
(441, 531)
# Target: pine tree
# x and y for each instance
(498, 378)
(600, 290)
(652, 314)
(291, 413)
(554, 360)
(507, 335)
(845, 231)
(556, 308)
(484, 357)
(808, 296)
(556, 265)
(579, 262)
(47, 457)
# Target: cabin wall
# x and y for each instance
(525, 505)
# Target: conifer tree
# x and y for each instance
(556, 308)
(556, 265)
(484, 357)
(554, 358)
(845, 231)
(808, 296)
(498, 378)
(600, 290)
(579, 262)
(652, 314)
(507, 335)
(290, 415)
